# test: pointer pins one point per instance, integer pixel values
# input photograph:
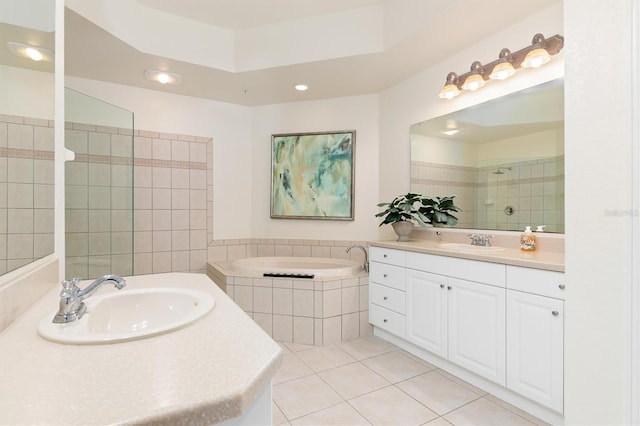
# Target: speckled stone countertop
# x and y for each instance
(547, 260)
(205, 373)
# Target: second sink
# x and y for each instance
(129, 315)
(469, 248)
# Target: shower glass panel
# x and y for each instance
(98, 188)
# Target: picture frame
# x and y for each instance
(312, 175)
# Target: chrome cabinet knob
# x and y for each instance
(441, 285)
(561, 286)
(384, 255)
(384, 298)
(555, 313)
(384, 320)
(384, 275)
(449, 287)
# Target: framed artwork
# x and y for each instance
(312, 175)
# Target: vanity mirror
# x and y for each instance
(503, 159)
(26, 131)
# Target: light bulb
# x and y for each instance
(536, 58)
(449, 91)
(502, 71)
(473, 82)
(163, 78)
(33, 53)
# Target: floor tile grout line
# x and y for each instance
(443, 373)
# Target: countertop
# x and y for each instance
(547, 260)
(205, 373)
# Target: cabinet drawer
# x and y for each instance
(384, 255)
(536, 281)
(388, 275)
(389, 298)
(388, 320)
(470, 270)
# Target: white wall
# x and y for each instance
(598, 203)
(26, 93)
(359, 113)
(228, 125)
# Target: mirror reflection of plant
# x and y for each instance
(420, 209)
(437, 210)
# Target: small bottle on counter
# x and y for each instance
(527, 240)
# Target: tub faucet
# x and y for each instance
(72, 306)
(365, 266)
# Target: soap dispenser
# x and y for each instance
(527, 240)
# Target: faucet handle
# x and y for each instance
(70, 288)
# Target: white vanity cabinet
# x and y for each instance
(457, 319)
(503, 323)
(535, 335)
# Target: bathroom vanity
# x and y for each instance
(494, 318)
(216, 370)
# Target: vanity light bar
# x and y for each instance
(533, 56)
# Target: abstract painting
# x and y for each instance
(312, 175)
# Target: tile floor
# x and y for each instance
(368, 381)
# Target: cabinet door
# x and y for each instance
(426, 311)
(476, 324)
(535, 334)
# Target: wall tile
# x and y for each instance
(350, 300)
(283, 301)
(262, 300)
(161, 262)
(265, 321)
(350, 326)
(282, 328)
(331, 330)
(303, 303)
(180, 240)
(243, 296)
(303, 330)
(161, 242)
(331, 303)
(180, 261)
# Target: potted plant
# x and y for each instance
(437, 210)
(403, 212)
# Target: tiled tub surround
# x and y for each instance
(315, 312)
(26, 190)
(167, 183)
(534, 188)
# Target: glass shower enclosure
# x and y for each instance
(98, 187)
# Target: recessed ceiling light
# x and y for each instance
(162, 77)
(301, 87)
(30, 52)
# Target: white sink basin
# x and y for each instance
(468, 248)
(129, 315)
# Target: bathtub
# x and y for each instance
(319, 267)
(331, 307)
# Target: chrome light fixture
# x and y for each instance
(162, 77)
(537, 54)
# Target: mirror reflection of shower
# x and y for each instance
(493, 185)
(501, 170)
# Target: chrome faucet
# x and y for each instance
(483, 240)
(365, 266)
(72, 306)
